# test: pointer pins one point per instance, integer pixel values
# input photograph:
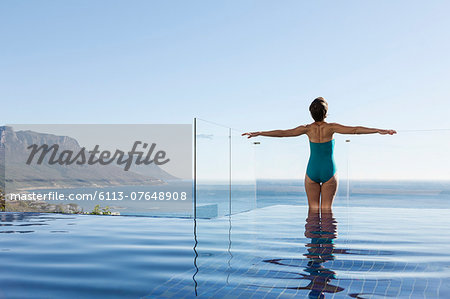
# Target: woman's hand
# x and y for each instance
(390, 132)
(251, 134)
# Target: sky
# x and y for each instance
(250, 65)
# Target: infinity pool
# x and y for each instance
(272, 252)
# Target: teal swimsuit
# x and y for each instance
(321, 166)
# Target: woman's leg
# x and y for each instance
(313, 193)
(328, 192)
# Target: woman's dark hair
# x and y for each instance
(318, 109)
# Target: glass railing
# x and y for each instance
(409, 169)
(224, 174)
(235, 174)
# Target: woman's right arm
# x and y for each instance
(341, 129)
(300, 130)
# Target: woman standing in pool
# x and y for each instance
(320, 179)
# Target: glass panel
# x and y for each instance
(212, 170)
(410, 169)
(225, 174)
(243, 184)
(342, 159)
(373, 170)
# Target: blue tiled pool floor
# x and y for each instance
(277, 252)
(274, 252)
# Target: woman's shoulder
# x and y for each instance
(322, 124)
(324, 127)
(333, 125)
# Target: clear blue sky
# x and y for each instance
(253, 65)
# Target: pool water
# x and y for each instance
(273, 252)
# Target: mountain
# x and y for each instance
(18, 175)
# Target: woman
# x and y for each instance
(320, 179)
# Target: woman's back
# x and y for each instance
(320, 132)
(321, 165)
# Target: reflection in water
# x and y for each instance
(33, 219)
(229, 269)
(321, 229)
(230, 254)
(195, 255)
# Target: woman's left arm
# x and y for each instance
(300, 130)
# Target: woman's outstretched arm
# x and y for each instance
(341, 129)
(300, 130)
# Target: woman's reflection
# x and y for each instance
(321, 228)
